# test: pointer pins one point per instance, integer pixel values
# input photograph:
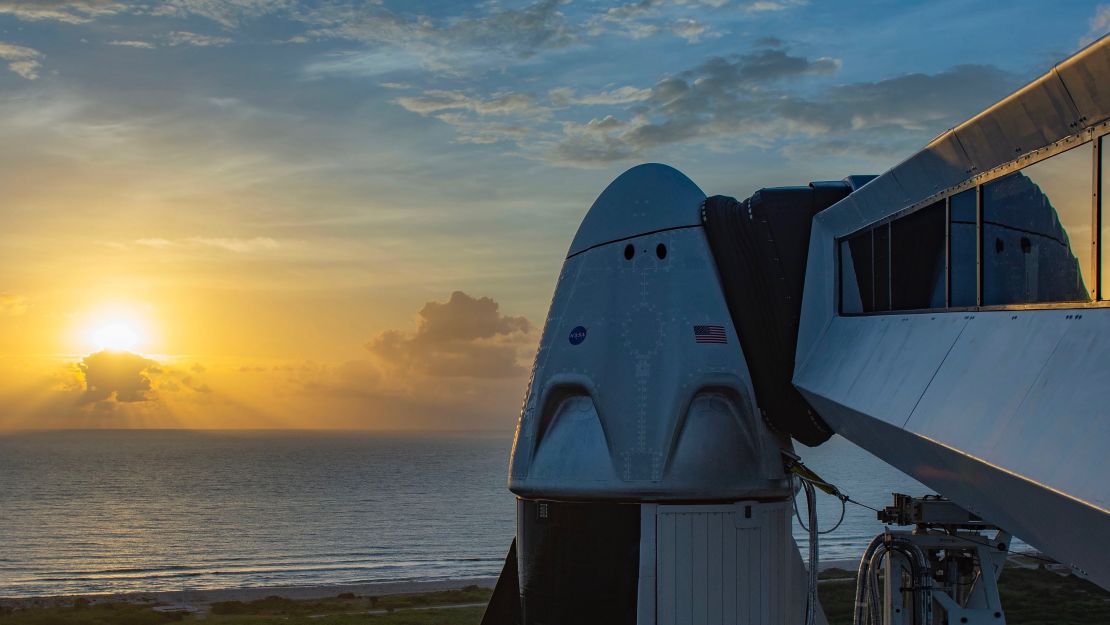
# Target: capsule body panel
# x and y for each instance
(640, 390)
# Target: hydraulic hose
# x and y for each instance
(867, 579)
(811, 595)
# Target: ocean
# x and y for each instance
(145, 510)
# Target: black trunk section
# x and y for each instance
(761, 246)
(579, 562)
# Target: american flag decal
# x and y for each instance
(710, 334)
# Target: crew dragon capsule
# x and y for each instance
(648, 458)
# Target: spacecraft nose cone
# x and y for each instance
(647, 198)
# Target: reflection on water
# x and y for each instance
(171, 510)
(141, 510)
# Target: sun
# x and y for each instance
(116, 336)
(114, 328)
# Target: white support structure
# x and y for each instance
(731, 564)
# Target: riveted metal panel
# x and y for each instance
(1020, 392)
(625, 402)
(879, 198)
(1066, 528)
(1084, 75)
(942, 164)
(647, 198)
(1037, 115)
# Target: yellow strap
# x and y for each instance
(807, 473)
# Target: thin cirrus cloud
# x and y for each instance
(12, 304)
(229, 244)
(67, 11)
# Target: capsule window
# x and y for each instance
(661, 251)
(629, 252)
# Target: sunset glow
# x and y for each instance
(116, 336)
(353, 214)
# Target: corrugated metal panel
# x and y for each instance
(717, 567)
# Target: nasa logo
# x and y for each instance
(577, 335)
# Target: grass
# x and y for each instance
(1029, 596)
(345, 609)
(347, 603)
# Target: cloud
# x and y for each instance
(119, 376)
(439, 43)
(133, 43)
(742, 100)
(744, 95)
(565, 96)
(466, 113)
(68, 11)
(186, 38)
(689, 29)
(910, 102)
(503, 103)
(230, 244)
(717, 98)
(1098, 25)
(24, 60)
(12, 304)
(647, 18)
(227, 13)
(462, 337)
(760, 6)
(25, 69)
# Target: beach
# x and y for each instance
(1023, 586)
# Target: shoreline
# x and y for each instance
(206, 597)
(200, 599)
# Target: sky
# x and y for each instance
(350, 215)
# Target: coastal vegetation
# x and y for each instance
(1030, 596)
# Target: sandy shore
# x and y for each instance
(201, 599)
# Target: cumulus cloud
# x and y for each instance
(462, 337)
(68, 11)
(24, 60)
(119, 376)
